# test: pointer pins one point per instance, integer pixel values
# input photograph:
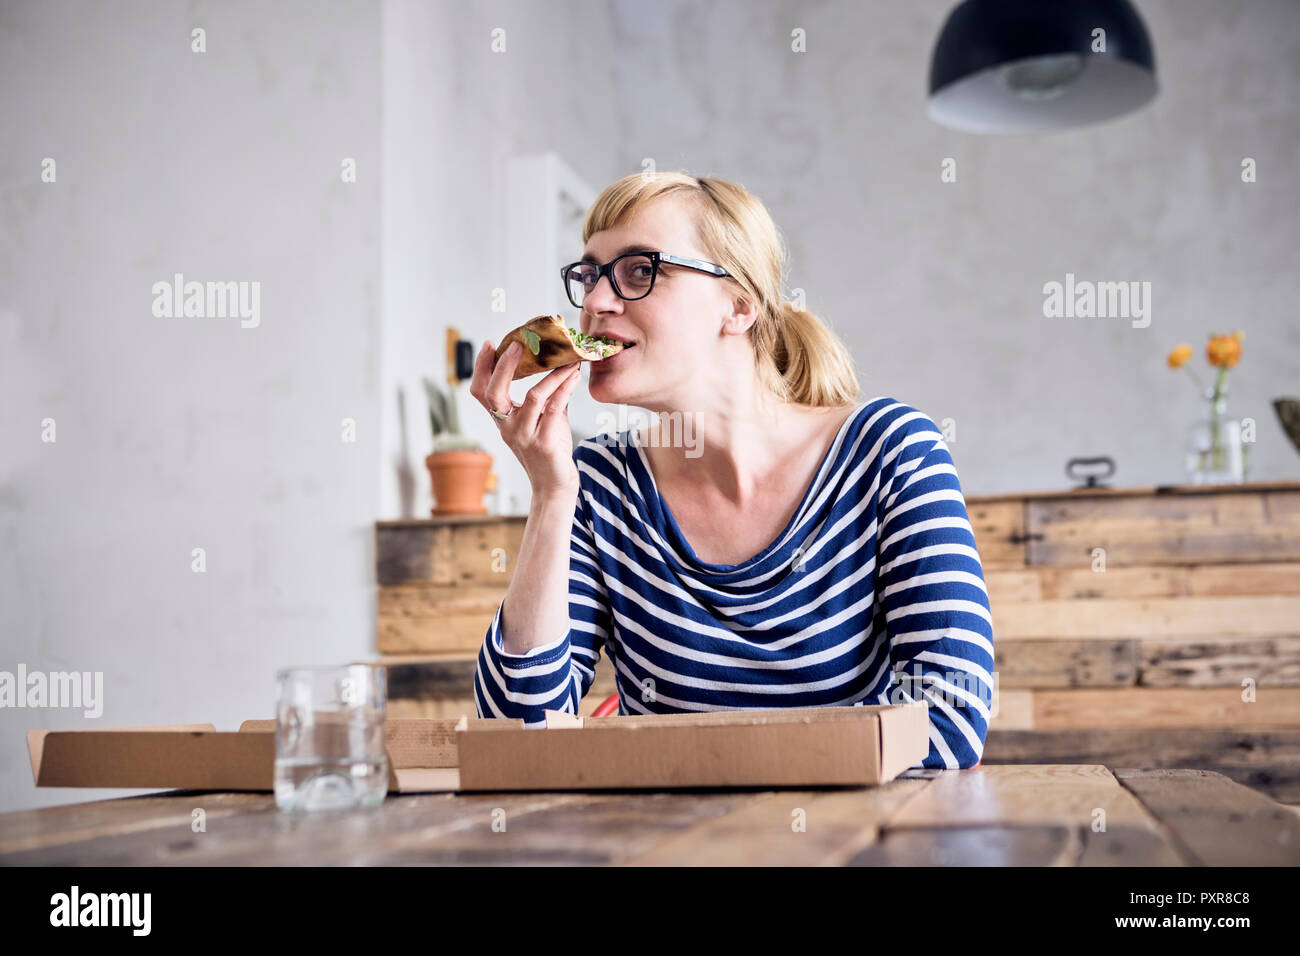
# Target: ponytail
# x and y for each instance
(801, 360)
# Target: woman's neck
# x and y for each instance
(736, 448)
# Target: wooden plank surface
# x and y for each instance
(27, 830)
(1135, 491)
(595, 829)
(836, 824)
(999, 529)
(1145, 709)
(451, 554)
(1031, 795)
(1220, 823)
(1145, 618)
(1066, 663)
(975, 846)
(1038, 814)
(1012, 709)
(1138, 708)
(1197, 580)
(1226, 527)
(263, 834)
(1267, 760)
(985, 816)
(403, 554)
(1226, 662)
(417, 618)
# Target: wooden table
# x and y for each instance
(1014, 815)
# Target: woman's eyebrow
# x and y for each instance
(635, 247)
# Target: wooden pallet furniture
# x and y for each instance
(1144, 627)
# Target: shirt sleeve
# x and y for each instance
(931, 585)
(557, 675)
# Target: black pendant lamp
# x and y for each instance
(1006, 66)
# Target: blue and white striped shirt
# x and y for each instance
(873, 594)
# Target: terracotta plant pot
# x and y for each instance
(459, 481)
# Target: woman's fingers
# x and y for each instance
(560, 398)
(538, 397)
(557, 408)
(490, 384)
(497, 391)
(478, 383)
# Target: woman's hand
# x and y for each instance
(537, 430)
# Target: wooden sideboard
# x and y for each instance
(1144, 627)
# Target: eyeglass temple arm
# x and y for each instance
(708, 267)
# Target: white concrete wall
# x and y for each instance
(454, 113)
(174, 433)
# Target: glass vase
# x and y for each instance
(1215, 453)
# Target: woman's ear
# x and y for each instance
(743, 315)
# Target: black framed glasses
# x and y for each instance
(632, 274)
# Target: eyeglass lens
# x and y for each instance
(632, 275)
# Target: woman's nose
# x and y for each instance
(601, 297)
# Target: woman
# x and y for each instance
(783, 545)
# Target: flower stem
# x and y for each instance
(1216, 420)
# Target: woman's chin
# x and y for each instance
(603, 387)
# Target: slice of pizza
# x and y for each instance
(548, 343)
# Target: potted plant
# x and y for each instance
(458, 467)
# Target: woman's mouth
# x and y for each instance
(616, 358)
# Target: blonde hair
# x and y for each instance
(797, 356)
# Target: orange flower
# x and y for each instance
(1223, 351)
(1179, 356)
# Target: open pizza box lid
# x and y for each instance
(811, 746)
(421, 756)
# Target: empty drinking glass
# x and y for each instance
(329, 737)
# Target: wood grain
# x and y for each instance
(26, 830)
(1267, 760)
(1028, 795)
(421, 618)
(1217, 821)
(1193, 662)
(1139, 708)
(1243, 616)
(448, 553)
(836, 825)
(1066, 663)
(999, 529)
(1198, 580)
(263, 834)
(597, 829)
(1012, 709)
(975, 846)
(986, 816)
(1227, 527)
